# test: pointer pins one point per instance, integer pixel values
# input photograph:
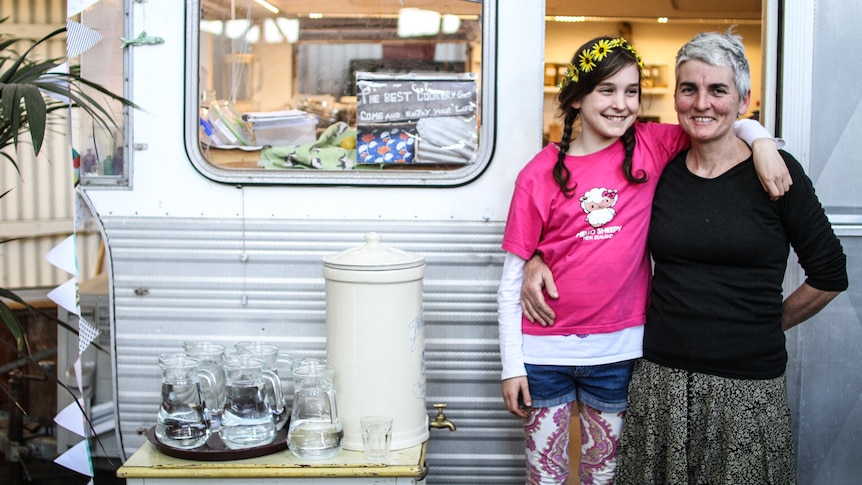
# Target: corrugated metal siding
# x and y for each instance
(40, 209)
(824, 384)
(825, 387)
(194, 282)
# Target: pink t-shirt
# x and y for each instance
(594, 242)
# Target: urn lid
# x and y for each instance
(373, 256)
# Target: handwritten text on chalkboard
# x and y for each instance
(401, 100)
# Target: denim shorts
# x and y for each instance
(603, 387)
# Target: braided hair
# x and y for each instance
(603, 57)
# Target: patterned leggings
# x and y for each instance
(547, 442)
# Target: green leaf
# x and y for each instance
(13, 324)
(36, 114)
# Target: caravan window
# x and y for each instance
(359, 92)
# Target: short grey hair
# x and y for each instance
(719, 50)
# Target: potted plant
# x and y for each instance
(31, 102)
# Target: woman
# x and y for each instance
(708, 401)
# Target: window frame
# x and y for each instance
(123, 115)
(413, 177)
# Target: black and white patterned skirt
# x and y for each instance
(688, 428)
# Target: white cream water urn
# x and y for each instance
(375, 339)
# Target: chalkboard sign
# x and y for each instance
(434, 116)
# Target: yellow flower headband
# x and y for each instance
(591, 56)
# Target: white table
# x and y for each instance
(149, 466)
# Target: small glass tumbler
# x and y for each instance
(376, 437)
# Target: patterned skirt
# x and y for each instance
(688, 428)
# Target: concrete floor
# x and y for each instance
(49, 473)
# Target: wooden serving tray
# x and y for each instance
(215, 449)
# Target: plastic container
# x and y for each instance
(290, 131)
(226, 125)
(375, 339)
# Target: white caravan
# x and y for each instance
(216, 214)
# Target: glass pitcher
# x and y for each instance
(284, 369)
(314, 432)
(181, 421)
(211, 355)
(247, 419)
(269, 354)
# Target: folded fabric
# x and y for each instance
(335, 149)
(430, 153)
(385, 143)
(447, 139)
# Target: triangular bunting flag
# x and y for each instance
(77, 458)
(82, 212)
(79, 38)
(86, 334)
(63, 256)
(66, 295)
(74, 7)
(76, 165)
(72, 419)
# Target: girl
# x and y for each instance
(584, 206)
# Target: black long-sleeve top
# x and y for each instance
(720, 248)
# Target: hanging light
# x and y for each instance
(289, 28)
(450, 24)
(253, 34)
(570, 18)
(271, 33)
(417, 22)
(214, 27)
(234, 29)
(263, 3)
